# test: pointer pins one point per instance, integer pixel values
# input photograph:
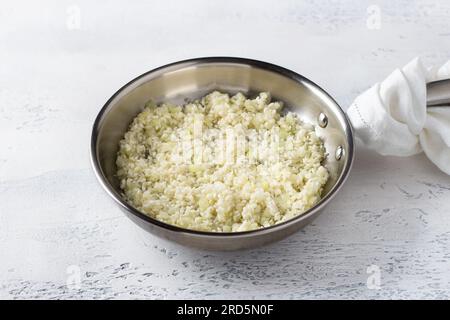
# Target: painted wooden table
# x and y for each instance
(386, 235)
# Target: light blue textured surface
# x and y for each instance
(393, 213)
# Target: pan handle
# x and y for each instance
(438, 93)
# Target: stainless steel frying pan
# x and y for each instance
(193, 79)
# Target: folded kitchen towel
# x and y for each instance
(392, 117)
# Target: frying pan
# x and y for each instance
(194, 78)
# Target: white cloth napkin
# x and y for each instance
(392, 118)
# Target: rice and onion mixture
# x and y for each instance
(255, 168)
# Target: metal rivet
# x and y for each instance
(339, 152)
(323, 120)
